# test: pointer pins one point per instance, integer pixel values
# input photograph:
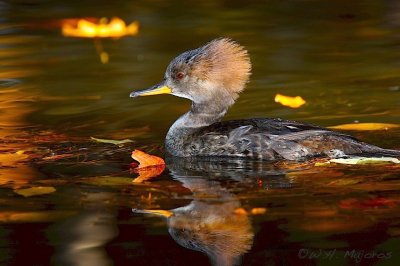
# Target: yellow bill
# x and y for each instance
(158, 89)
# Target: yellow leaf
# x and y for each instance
(111, 141)
(361, 160)
(293, 102)
(34, 191)
(365, 126)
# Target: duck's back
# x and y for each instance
(271, 139)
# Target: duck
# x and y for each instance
(211, 77)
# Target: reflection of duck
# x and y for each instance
(212, 77)
(209, 223)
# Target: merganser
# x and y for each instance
(212, 76)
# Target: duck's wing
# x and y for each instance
(273, 139)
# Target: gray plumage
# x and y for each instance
(212, 77)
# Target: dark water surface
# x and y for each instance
(343, 57)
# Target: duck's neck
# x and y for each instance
(200, 115)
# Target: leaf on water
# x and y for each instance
(365, 126)
(293, 102)
(149, 166)
(34, 191)
(145, 159)
(111, 141)
(10, 159)
(256, 211)
(360, 160)
(240, 211)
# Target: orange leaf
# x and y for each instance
(149, 166)
(256, 211)
(293, 102)
(145, 159)
(240, 211)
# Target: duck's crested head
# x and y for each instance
(217, 71)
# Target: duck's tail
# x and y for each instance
(380, 152)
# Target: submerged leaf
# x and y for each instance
(293, 102)
(34, 191)
(365, 126)
(111, 141)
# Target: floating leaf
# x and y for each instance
(116, 28)
(256, 211)
(111, 141)
(149, 166)
(360, 160)
(240, 211)
(293, 102)
(145, 159)
(365, 126)
(34, 191)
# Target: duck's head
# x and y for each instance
(216, 72)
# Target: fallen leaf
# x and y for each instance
(365, 126)
(293, 102)
(145, 159)
(360, 160)
(256, 211)
(149, 166)
(34, 191)
(111, 141)
(240, 211)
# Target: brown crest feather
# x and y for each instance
(226, 63)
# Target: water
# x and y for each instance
(342, 57)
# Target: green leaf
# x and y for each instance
(111, 141)
(34, 191)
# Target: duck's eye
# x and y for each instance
(179, 75)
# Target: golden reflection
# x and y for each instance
(210, 223)
(14, 107)
(99, 28)
(103, 28)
